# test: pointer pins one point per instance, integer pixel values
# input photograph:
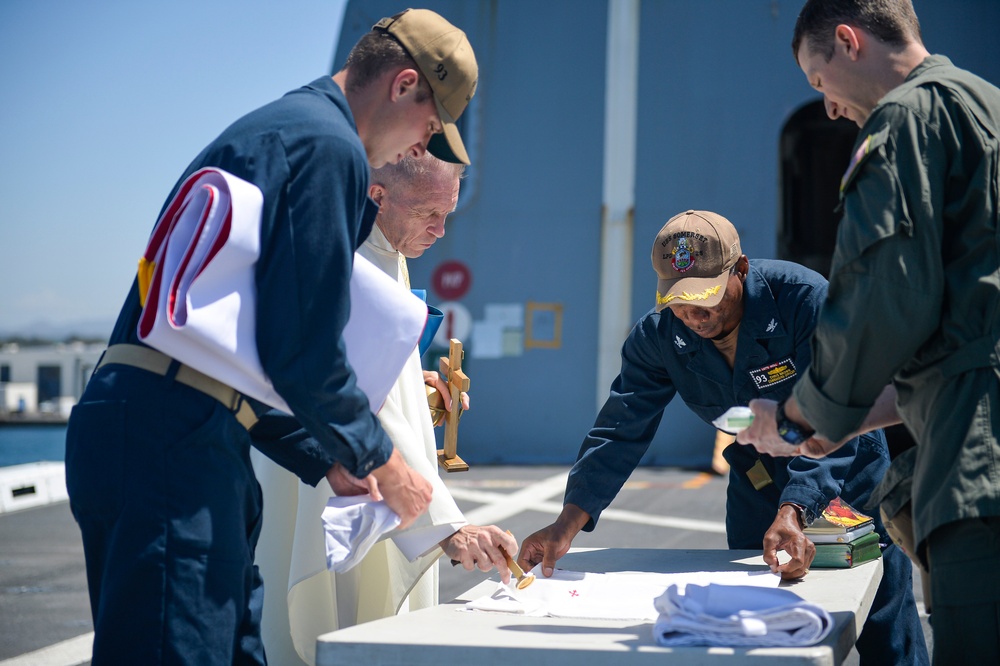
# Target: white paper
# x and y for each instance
(201, 307)
(734, 419)
(383, 330)
(487, 340)
(513, 341)
(622, 595)
(506, 315)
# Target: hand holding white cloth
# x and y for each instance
(353, 525)
(738, 616)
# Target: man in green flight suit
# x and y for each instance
(914, 298)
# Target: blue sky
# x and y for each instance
(102, 105)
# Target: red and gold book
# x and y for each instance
(839, 517)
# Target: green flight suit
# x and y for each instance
(914, 299)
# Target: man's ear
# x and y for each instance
(376, 192)
(404, 83)
(848, 39)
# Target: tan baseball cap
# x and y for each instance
(692, 256)
(445, 58)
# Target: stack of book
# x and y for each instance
(844, 537)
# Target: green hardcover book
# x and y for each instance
(847, 555)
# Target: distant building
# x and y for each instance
(45, 380)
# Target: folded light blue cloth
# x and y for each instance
(738, 616)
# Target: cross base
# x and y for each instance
(455, 464)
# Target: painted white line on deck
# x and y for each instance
(67, 653)
(498, 506)
(663, 521)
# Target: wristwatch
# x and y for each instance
(788, 430)
(800, 511)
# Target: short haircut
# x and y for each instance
(412, 170)
(890, 21)
(376, 53)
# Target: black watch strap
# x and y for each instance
(789, 430)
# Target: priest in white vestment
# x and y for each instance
(415, 197)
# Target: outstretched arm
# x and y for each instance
(763, 433)
(550, 543)
(786, 534)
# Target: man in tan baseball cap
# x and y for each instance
(408, 80)
(693, 256)
(308, 155)
(725, 331)
(444, 56)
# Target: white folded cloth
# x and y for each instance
(738, 616)
(507, 599)
(352, 525)
(620, 595)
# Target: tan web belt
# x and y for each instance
(151, 360)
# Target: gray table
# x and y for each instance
(448, 635)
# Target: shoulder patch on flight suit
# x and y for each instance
(773, 373)
(870, 145)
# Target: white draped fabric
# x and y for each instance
(620, 595)
(291, 553)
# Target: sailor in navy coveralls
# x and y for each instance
(725, 331)
(157, 456)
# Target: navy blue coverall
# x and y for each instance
(159, 474)
(662, 357)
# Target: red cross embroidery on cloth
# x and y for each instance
(574, 593)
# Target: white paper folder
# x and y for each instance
(200, 307)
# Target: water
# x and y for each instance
(27, 444)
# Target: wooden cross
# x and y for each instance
(451, 369)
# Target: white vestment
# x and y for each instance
(291, 540)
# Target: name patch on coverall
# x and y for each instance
(773, 373)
